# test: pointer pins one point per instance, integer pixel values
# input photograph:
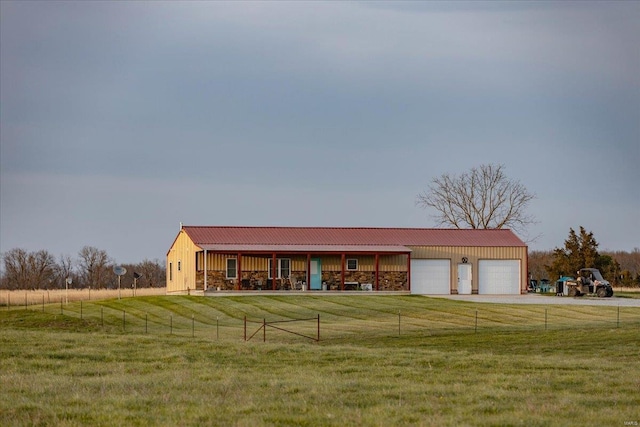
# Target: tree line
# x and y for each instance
(580, 250)
(93, 268)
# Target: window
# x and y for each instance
(232, 268)
(352, 264)
(170, 271)
(283, 268)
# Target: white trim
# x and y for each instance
(279, 268)
(347, 263)
(235, 268)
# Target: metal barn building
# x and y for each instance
(422, 261)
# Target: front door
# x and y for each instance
(315, 274)
(464, 279)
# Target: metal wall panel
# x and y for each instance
(181, 253)
(472, 254)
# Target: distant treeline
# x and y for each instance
(580, 250)
(620, 268)
(92, 268)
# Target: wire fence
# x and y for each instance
(272, 324)
(203, 322)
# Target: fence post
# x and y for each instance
(102, 316)
(193, 326)
(318, 327)
(43, 303)
(171, 325)
(80, 310)
(476, 327)
(217, 328)
(618, 321)
(8, 299)
(245, 328)
(146, 322)
(398, 322)
(545, 319)
(61, 306)
(123, 317)
(25, 300)
(264, 329)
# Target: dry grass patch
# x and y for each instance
(20, 298)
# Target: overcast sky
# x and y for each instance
(119, 120)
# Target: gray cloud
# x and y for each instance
(219, 112)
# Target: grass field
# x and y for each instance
(381, 360)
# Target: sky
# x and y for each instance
(120, 120)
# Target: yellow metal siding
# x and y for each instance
(393, 263)
(182, 252)
(366, 262)
(217, 261)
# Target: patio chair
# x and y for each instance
(295, 283)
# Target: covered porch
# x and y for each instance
(303, 268)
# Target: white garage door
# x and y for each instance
(430, 276)
(499, 277)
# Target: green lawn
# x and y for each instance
(381, 360)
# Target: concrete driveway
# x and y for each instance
(544, 300)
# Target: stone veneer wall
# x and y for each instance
(388, 280)
(251, 280)
(256, 280)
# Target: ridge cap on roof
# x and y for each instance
(344, 228)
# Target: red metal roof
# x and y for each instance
(305, 248)
(331, 236)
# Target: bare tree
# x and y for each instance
(28, 270)
(64, 270)
(153, 272)
(484, 197)
(538, 263)
(93, 266)
(43, 268)
(15, 268)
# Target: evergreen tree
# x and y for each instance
(580, 251)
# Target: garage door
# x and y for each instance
(430, 276)
(499, 277)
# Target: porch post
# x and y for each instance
(205, 269)
(274, 269)
(239, 284)
(377, 271)
(308, 279)
(409, 271)
(342, 262)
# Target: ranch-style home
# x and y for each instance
(422, 261)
